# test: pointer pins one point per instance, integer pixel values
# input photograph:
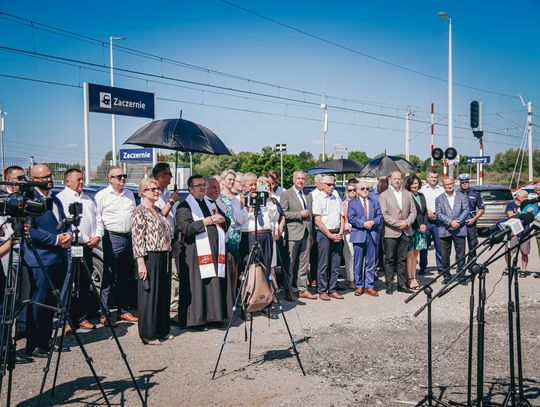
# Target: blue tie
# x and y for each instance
(260, 218)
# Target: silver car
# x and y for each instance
(495, 198)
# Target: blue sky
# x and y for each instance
(495, 49)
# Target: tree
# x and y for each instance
(359, 156)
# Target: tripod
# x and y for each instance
(254, 257)
(77, 263)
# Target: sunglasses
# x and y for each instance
(49, 176)
(363, 189)
(351, 190)
(119, 177)
(330, 185)
(154, 190)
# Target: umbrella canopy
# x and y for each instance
(382, 166)
(341, 166)
(179, 135)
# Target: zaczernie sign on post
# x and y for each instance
(126, 102)
(136, 154)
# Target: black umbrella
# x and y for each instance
(341, 166)
(178, 135)
(382, 166)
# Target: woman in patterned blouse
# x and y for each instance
(151, 237)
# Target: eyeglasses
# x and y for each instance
(119, 177)
(351, 190)
(154, 190)
(363, 189)
(168, 173)
(330, 185)
(48, 176)
(199, 185)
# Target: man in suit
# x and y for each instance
(297, 208)
(399, 213)
(365, 217)
(452, 210)
(50, 246)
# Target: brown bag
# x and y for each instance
(257, 294)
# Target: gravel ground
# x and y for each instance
(360, 349)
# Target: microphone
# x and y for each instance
(513, 225)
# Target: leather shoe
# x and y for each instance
(324, 297)
(446, 279)
(307, 295)
(103, 321)
(337, 296)
(38, 352)
(389, 290)
(404, 289)
(22, 357)
(372, 292)
(86, 324)
(358, 292)
(127, 316)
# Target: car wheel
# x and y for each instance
(97, 274)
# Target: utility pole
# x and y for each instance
(529, 136)
(2, 129)
(432, 135)
(281, 148)
(324, 108)
(408, 116)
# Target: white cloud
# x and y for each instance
(316, 142)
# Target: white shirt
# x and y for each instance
(398, 195)
(247, 219)
(330, 208)
(431, 193)
(451, 199)
(113, 210)
(88, 225)
(300, 195)
(164, 198)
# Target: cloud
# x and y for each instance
(71, 146)
(316, 142)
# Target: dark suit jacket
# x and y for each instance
(44, 235)
(421, 212)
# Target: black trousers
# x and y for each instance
(154, 296)
(83, 304)
(329, 263)
(472, 240)
(446, 246)
(246, 243)
(395, 259)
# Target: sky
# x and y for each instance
(255, 72)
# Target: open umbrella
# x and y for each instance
(179, 135)
(341, 166)
(385, 164)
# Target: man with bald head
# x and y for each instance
(50, 246)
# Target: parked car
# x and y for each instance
(341, 190)
(495, 198)
(530, 191)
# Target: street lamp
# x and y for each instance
(324, 108)
(2, 128)
(113, 117)
(445, 15)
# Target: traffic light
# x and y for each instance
(475, 114)
(479, 134)
(437, 154)
(450, 153)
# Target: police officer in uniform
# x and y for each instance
(476, 210)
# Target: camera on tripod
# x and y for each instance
(24, 203)
(75, 210)
(256, 199)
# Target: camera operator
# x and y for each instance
(266, 220)
(73, 193)
(50, 245)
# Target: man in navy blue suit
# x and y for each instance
(364, 215)
(51, 247)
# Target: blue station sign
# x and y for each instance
(136, 154)
(126, 102)
(479, 160)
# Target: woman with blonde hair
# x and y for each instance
(151, 237)
(232, 204)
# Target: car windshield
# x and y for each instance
(496, 195)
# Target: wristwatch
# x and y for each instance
(171, 202)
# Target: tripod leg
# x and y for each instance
(293, 343)
(250, 336)
(64, 314)
(105, 312)
(471, 335)
(242, 283)
(480, 340)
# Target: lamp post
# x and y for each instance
(113, 117)
(324, 108)
(444, 15)
(2, 128)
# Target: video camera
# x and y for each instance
(24, 203)
(75, 210)
(256, 199)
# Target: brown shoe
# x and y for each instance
(127, 316)
(358, 292)
(324, 297)
(86, 325)
(372, 292)
(337, 296)
(103, 321)
(67, 329)
(307, 295)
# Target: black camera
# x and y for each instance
(256, 199)
(24, 203)
(75, 210)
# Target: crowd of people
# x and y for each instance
(188, 256)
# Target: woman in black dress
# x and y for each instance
(151, 236)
